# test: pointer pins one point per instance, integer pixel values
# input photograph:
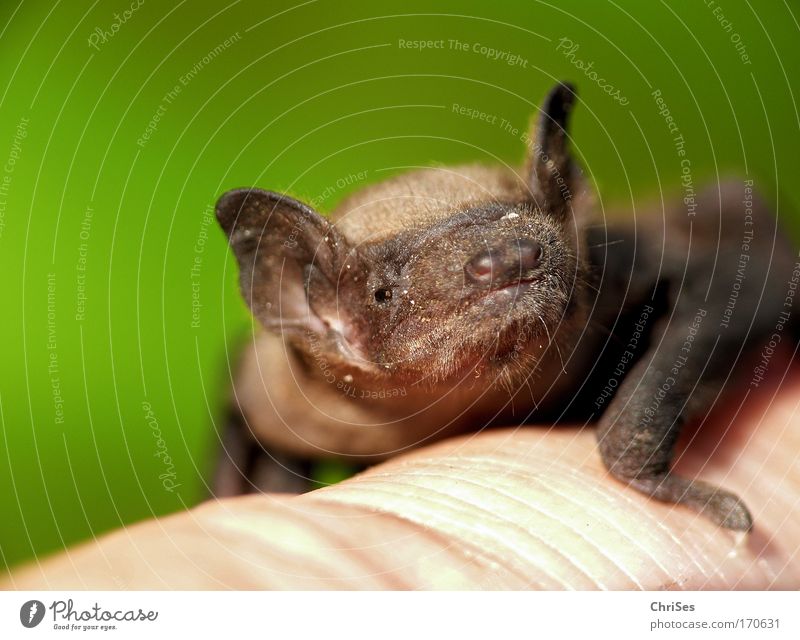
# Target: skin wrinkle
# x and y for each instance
(469, 555)
(619, 493)
(435, 516)
(763, 561)
(188, 531)
(675, 548)
(602, 516)
(631, 540)
(227, 538)
(550, 515)
(697, 527)
(219, 529)
(272, 565)
(628, 497)
(434, 496)
(508, 496)
(278, 547)
(369, 563)
(465, 548)
(524, 471)
(345, 567)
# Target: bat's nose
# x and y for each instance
(500, 265)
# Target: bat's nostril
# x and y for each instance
(483, 265)
(530, 254)
(512, 261)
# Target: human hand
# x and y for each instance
(519, 508)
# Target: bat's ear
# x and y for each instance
(281, 244)
(550, 169)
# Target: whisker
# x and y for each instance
(554, 343)
(607, 244)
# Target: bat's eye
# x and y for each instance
(383, 295)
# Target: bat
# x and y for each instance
(450, 299)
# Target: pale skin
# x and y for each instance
(506, 509)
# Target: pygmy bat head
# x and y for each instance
(469, 277)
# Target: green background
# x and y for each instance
(304, 97)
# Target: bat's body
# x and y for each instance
(450, 299)
(337, 410)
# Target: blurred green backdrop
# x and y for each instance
(119, 130)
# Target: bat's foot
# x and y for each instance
(261, 472)
(245, 466)
(722, 507)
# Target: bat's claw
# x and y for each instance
(722, 507)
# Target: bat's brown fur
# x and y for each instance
(453, 298)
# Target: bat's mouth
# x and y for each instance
(521, 286)
(509, 294)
